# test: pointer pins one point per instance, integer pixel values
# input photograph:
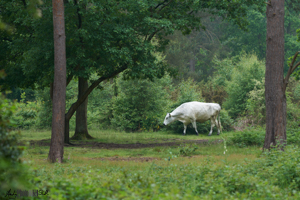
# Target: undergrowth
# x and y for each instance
(274, 175)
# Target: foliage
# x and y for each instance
(253, 40)
(274, 175)
(139, 104)
(248, 138)
(44, 115)
(226, 120)
(100, 107)
(293, 136)
(8, 140)
(256, 108)
(13, 174)
(26, 113)
(256, 104)
(243, 77)
(187, 149)
(212, 92)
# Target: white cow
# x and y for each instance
(191, 112)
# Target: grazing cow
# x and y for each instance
(191, 112)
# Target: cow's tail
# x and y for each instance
(219, 121)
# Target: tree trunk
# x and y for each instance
(81, 130)
(80, 100)
(192, 65)
(274, 84)
(56, 151)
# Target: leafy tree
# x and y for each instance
(192, 55)
(254, 39)
(106, 37)
(140, 104)
(243, 79)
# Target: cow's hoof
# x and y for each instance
(209, 134)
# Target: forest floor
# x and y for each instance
(137, 145)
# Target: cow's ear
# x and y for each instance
(170, 115)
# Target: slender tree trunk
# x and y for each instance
(81, 130)
(274, 84)
(192, 65)
(56, 151)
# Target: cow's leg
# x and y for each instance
(212, 121)
(195, 127)
(218, 125)
(184, 129)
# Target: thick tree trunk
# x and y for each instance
(274, 84)
(56, 151)
(81, 130)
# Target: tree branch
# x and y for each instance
(153, 34)
(75, 105)
(24, 3)
(164, 6)
(78, 14)
(291, 70)
(160, 4)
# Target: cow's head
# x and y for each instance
(168, 119)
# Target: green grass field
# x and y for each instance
(190, 170)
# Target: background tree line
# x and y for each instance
(222, 62)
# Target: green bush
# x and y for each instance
(226, 120)
(187, 149)
(13, 175)
(243, 80)
(248, 138)
(293, 136)
(256, 104)
(26, 113)
(44, 115)
(140, 104)
(100, 106)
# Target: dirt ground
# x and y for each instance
(93, 144)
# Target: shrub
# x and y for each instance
(100, 106)
(140, 105)
(293, 136)
(187, 149)
(26, 113)
(243, 80)
(13, 175)
(248, 138)
(256, 104)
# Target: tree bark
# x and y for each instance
(81, 130)
(274, 84)
(56, 151)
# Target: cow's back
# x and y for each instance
(199, 111)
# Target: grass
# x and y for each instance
(118, 137)
(162, 172)
(87, 156)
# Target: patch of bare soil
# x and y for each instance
(99, 145)
(135, 159)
